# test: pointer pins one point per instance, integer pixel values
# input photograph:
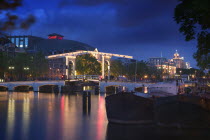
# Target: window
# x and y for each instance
(17, 42)
(12, 40)
(21, 42)
(26, 42)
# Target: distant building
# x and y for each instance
(54, 44)
(187, 65)
(169, 66)
(166, 66)
(25, 42)
(157, 60)
(8, 47)
(179, 61)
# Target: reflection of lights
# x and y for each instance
(11, 117)
(26, 114)
(145, 90)
(62, 103)
(100, 117)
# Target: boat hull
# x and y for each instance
(127, 108)
(182, 111)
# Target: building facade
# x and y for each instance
(179, 61)
(167, 67)
(52, 44)
(157, 60)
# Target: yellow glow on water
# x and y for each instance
(145, 90)
(11, 117)
(26, 115)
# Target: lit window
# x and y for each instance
(12, 40)
(17, 42)
(21, 42)
(26, 42)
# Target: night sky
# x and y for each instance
(141, 28)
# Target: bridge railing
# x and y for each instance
(81, 77)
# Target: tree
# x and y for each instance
(39, 66)
(87, 65)
(117, 68)
(25, 65)
(11, 20)
(3, 64)
(22, 63)
(194, 19)
(140, 69)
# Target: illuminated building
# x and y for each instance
(187, 65)
(179, 61)
(53, 44)
(166, 66)
(55, 36)
(157, 60)
(26, 42)
(169, 66)
(7, 46)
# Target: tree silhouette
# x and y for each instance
(194, 19)
(10, 20)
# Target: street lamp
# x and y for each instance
(135, 70)
(180, 73)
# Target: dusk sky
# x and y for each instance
(141, 28)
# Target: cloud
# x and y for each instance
(112, 25)
(133, 12)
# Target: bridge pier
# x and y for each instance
(10, 88)
(36, 88)
(59, 88)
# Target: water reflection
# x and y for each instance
(10, 117)
(26, 115)
(129, 132)
(38, 116)
(141, 132)
(86, 102)
(101, 114)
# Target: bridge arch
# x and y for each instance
(22, 88)
(49, 88)
(3, 88)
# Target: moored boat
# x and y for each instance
(127, 108)
(182, 111)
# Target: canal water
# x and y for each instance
(28, 116)
(48, 116)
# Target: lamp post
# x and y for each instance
(135, 70)
(180, 73)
